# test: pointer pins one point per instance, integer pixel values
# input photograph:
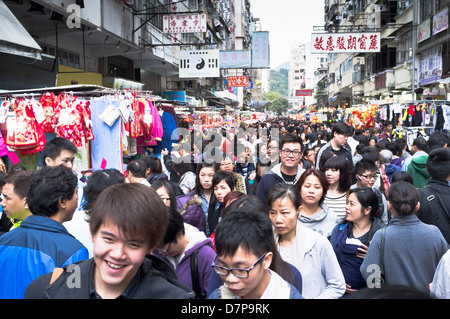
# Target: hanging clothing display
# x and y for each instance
(74, 121)
(24, 131)
(170, 133)
(153, 128)
(105, 155)
(126, 120)
(50, 104)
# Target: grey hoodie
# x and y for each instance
(274, 176)
(322, 222)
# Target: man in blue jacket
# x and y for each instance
(41, 243)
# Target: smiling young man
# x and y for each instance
(288, 171)
(244, 245)
(122, 266)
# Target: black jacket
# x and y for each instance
(435, 212)
(158, 281)
(5, 224)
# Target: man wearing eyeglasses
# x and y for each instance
(244, 245)
(288, 171)
(366, 176)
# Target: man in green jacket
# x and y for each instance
(416, 166)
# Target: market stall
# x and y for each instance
(106, 125)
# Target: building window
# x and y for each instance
(404, 47)
(441, 4)
(426, 9)
(65, 57)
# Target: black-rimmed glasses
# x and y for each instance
(370, 176)
(242, 273)
(287, 152)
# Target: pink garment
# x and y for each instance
(154, 134)
(3, 148)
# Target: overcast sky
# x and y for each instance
(287, 21)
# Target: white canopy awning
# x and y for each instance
(226, 95)
(14, 38)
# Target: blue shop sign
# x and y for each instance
(175, 95)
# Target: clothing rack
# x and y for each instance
(78, 90)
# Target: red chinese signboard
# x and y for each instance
(345, 42)
(234, 81)
(303, 92)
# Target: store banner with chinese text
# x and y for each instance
(345, 42)
(235, 81)
(184, 23)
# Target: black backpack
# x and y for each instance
(199, 294)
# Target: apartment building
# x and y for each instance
(120, 44)
(302, 75)
(413, 60)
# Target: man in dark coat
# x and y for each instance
(435, 197)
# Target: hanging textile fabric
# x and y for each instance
(153, 128)
(134, 126)
(171, 110)
(23, 125)
(74, 121)
(170, 133)
(4, 108)
(105, 154)
(50, 105)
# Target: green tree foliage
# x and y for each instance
(279, 81)
(321, 94)
(280, 105)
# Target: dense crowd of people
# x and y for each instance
(277, 209)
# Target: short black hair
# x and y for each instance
(175, 227)
(438, 164)
(55, 146)
(20, 181)
(47, 187)
(421, 143)
(402, 176)
(228, 177)
(365, 165)
(98, 182)
(340, 128)
(438, 139)
(249, 229)
(290, 138)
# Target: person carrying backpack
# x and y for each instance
(185, 248)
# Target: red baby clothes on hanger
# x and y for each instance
(134, 126)
(50, 105)
(74, 121)
(24, 133)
